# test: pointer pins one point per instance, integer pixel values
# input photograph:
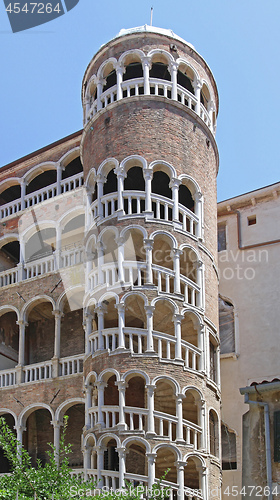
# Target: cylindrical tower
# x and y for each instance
(152, 351)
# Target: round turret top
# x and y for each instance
(153, 29)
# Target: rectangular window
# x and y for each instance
(277, 436)
(222, 242)
(252, 220)
(212, 362)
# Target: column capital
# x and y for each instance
(180, 397)
(198, 84)
(21, 322)
(120, 307)
(197, 196)
(57, 314)
(120, 67)
(100, 178)
(19, 428)
(120, 240)
(99, 449)
(148, 243)
(177, 318)
(149, 309)
(146, 61)
(180, 464)
(148, 173)
(56, 423)
(151, 388)
(100, 246)
(100, 309)
(173, 65)
(100, 384)
(176, 252)
(23, 182)
(88, 316)
(122, 451)
(121, 384)
(120, 171)
(88, 388)
(151, 457)
(175, 183)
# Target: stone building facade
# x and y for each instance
(109, 282)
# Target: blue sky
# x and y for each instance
(42, 70)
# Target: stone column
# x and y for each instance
(210, 109)
(179, 413)
(22, 193)
(100, 387)
(119, 72)
(180, 479)
(151, 468)
(56, 438)
(121, 322)
(217, 355)
(19, 429)
(201, 345)
(199, 282)
(121, 384)
(121, 175)
(100, 315)
(88, 404)
(148, 176)
(100, 179)
(100, 261)
(121, 451)
(199, 213)
(120, 242)
(203, 481)
(150, 340)
(87, 460)
(57, 252)
(177, 319)
(148, 246)
(59, 169)
(151, 423)
(57, 334)
(197, 88)
(100, 465)
(88, 330)
(22, 324)
(176, 253)
(99, 86)
(20, 266)
(146, 62)
(203, 425)
(174, 185)
(173, 67)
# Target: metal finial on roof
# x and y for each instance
(151, 21)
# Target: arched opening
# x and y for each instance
(5, 464)
(191, 475)
(135, 314)
(135, 460)
(164, 329)
(72, 336)
(9, 258)
(185, 197)
(9, 340)
(39, 432)
(165, 403)
(110, 76)
(160, 184)
(135, 392)
(74, 167)
(111, 458)
(10, 194)
(134, 179)
(165, 460)
(74, 431)
(185, 77)
(72, 239)
(111, 313)
(204, 96)
(110, 247)
(41, 244)
(133, 70)
(90, 443)
(160, 71)
(213, 433)
(39, 338)
(111, 393)
(188, 265)
(134, 246)
(162, 256)
(213, 361)
(191, 407)
(41, 181)
(189, 329)
(111, 184)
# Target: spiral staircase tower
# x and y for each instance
(151, 368)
